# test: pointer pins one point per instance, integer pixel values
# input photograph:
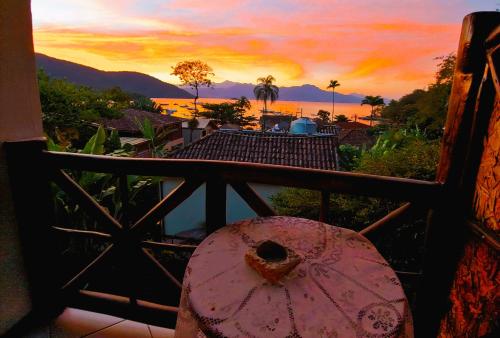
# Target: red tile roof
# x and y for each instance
(353, 133)
(316, 151)
(351, 125)
(128, 122)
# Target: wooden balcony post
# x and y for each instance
(324, 206)
(469, 112)
(26, 275)
(215, 204)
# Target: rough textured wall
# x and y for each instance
(475, 291)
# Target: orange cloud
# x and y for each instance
(386, 49)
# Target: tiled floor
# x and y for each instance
(74, 323)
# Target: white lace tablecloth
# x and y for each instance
(343, 288)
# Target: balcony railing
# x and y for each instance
(126, 239)
(474, 99)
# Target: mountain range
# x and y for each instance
(306, 92)
(152, 87)
(133, 82)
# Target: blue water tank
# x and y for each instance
(304, 125)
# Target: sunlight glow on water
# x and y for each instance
(309, 109)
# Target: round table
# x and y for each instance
(342, 288)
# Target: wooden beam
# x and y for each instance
(74, 191)
(143, 311)
(469, 112)
(215, 201)
(90, 269)
(84, 233)
(324, 206)
(168, 246)
(254, 200)
(314, 179)
(163, 271)
(387, 219)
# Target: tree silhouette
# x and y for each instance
(373, 101)
(265, 90)
(333, 84)
(194, 74)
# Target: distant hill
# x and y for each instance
(129, 81)
(307, 92)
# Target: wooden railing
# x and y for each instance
(127, 239)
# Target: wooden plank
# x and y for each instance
(168, 246)
(84, 233)
(314, 179)
(487, 235)
(123, 185)
(468, 114)
(387, 219)
(90, 269)
(66, 183)
(324, 206)
(254, 200)
(149, 258)
(119, 306)
(215, 201)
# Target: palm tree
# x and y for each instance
(341, 118)
(265, 90)
(333, 84)
(373, 101)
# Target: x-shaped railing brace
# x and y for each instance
(125, 239)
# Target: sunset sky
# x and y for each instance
(373, 47)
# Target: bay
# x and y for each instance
(184, 107)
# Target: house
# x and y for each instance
(205, 127)
(140, 145)
(296, 150)
(457, 282)
(353, 133)
(168, 129)
(269, 120)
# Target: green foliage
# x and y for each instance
(400, 153)
(113, 143)
(323, 116)
(230, 112)
(103, 187)
(148, 131)
(95, 146)
(67, 107)
(425, 108)
(349, 156)
(341, 118)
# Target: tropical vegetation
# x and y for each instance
(341, 118)
(374, 102)
(194, 74)
(401, 153)
(265, 90)
(68, 110)
(234, 112)
(333, 84)
(425, 108)
(322, 117)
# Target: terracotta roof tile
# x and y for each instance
(316, 151)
